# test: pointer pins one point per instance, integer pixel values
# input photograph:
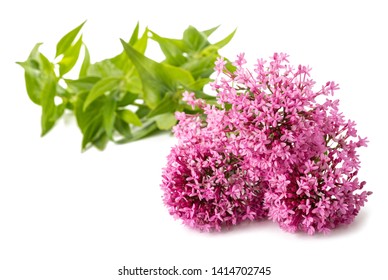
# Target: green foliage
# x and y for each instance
(126, 97)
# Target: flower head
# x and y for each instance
(269, 148)
(205, 185)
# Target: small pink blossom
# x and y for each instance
(220, 65)
(240, 61)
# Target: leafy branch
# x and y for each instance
(126, 97)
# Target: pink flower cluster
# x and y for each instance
(268, 149)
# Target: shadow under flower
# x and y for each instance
(267, 225)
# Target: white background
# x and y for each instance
(71, 215)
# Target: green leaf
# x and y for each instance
(101, 142)
(194, 40)
(149, 72)
(34, 78)
(134, 85)
(225, 41)
(166, 121)
(70, 57)
(175, 77)
(210, 31)
(109, 116)
(90, 121)
(49, 109)
(157, 78)
(67, 40)
(141, 44)
(127, 98)
(129, 117)
(122, 61)
(85, 64)
(82, 84)
(174, 54)
(201, 67)
(135, 35)
(42, 87)
(123, 128)
(143, 111)
(94, 134)
(199, 84)
(168, 104)
(49, 115)
(105, 68)
(101, 88)
(88, 116)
